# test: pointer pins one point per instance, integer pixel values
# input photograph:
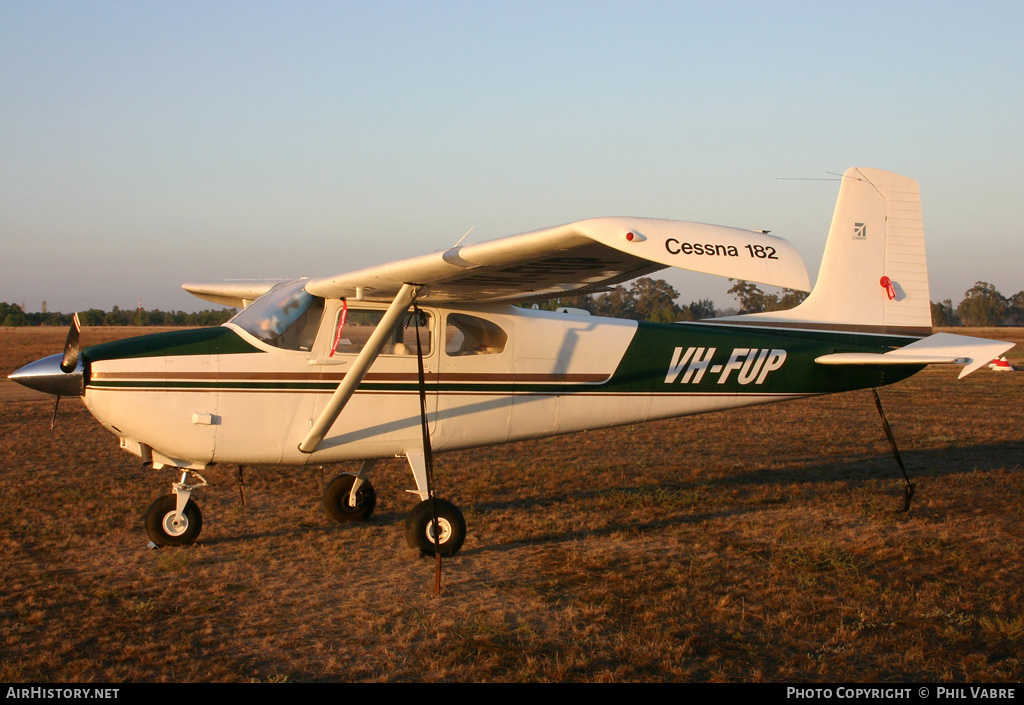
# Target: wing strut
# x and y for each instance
(406, 295)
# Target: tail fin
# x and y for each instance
(874, 276)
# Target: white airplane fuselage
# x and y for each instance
(221, 395)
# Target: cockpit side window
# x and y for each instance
(471, 335)
(287, 317)
(360, 324)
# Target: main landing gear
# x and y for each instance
(352, 498)
(450, 528)
(174, 519)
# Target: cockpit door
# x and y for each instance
(385, 409)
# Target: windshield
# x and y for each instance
(287, 317)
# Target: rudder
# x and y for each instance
(874, 273)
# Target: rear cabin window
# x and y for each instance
(287, 317)
(471, 335)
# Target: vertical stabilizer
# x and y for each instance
(874, 275)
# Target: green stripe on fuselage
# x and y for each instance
(745, 361)
(648, 366)
(199, 341)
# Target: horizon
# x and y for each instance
(151, 144)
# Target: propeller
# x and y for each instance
(72, 351)
(61, 375)
(71, 348)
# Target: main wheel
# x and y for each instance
(419, 529)
(166, 529)
(336, 499)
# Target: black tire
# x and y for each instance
(336, 499)
(160, 525)
(418, 528)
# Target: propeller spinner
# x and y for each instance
(61, 374)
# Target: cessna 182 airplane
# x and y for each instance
(333, 369)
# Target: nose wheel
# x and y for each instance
(174, 519)
(166, 527)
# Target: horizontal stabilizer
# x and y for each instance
(938, 349)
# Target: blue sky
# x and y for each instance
(144, 144)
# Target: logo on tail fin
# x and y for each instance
(860, 231)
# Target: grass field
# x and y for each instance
(752, 545)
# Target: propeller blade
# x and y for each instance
(71, 349)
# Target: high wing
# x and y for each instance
(578, 258)
(235, 292)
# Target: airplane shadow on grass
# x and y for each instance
(681, 503)
(851, 471)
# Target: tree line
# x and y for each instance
(982, 305)
(13, 315)
(645, 299)
(654, 300)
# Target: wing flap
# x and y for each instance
(938, 349)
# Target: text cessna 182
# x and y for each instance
(324, 370)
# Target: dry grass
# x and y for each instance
(753, 545)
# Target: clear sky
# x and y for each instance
(144, 144)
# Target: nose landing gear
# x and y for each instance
(174, 519)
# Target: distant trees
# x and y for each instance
(651, 300)
(12, 315)
(699, 310)
(1015, 312)
(983, 305)
(790, 299)
(646, 299)
(620, 302)
(92, 317)
(753, 300)
(654, 300)
(943, 314)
